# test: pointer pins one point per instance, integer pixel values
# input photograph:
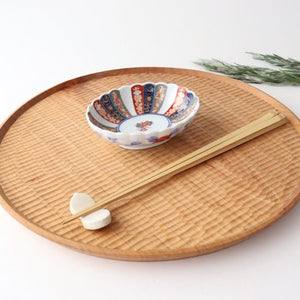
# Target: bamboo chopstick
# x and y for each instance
(266, 117)
(258, 127)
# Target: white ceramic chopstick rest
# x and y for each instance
(93, 221)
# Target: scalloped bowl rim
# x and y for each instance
(141, 134)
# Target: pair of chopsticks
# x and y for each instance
(269, 121)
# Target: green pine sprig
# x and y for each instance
(288, 69)
(276, 60)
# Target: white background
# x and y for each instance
(45, 42)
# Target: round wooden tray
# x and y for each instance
(48, 152)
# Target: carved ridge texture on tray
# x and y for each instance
(49, 153)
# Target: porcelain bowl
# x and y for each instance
(142, 115)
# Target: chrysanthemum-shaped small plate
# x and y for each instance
(142, 115)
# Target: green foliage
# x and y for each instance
(288, 71)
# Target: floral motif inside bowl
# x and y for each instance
(142, 115)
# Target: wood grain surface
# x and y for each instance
(48, 152)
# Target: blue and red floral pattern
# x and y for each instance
(147, 98)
